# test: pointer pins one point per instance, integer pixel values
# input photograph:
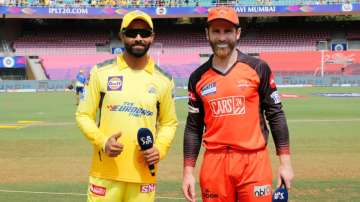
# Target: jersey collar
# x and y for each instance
(150, 66)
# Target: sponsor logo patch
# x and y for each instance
(208, 89)
(115, 83)
(226, 106)
(262, 190)
(275, 97)
(147, 188)
(209, 195)
(130, 108)
(97, 190)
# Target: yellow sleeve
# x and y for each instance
(86, 112)
(167, 122)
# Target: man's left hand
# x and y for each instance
(285, 172)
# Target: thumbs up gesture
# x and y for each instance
(112, 147)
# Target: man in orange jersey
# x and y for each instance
(230, 98)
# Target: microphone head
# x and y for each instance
(280, 195)
(145, 138)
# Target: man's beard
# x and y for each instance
(222, 50)
(136, 52)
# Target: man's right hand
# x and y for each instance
(112, 147)
(188, 186)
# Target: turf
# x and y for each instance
(53, 156)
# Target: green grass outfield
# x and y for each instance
(49, 160)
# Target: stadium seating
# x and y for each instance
(353, 34)
(176, 49)
(59, 43)
(66, 67)
(192, 40)
(177, 61)
(272, 40)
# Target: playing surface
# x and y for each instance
(44, 157)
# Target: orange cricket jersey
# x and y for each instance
(229, 109)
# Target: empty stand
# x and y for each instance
(177, 48)
(43, 42)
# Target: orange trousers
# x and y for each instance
(230, 175)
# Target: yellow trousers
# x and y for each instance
(103, 190)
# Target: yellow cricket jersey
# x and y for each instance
(128, 99)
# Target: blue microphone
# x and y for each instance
(146, 141)
(281, 193)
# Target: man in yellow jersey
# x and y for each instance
(127, 93)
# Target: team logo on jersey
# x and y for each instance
(208, 89)
(262, 190)
(115, 83)
(147, 188)
(275, 97)
(226, 106)
(97, 190)
(152, 90)
(272, 81)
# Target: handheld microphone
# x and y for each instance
(281, 194)
(146, 141)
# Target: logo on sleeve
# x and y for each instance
(115, 83)
(208, 89)
(147, 188)
(275, 97)
(272, 81)
(97, 190)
